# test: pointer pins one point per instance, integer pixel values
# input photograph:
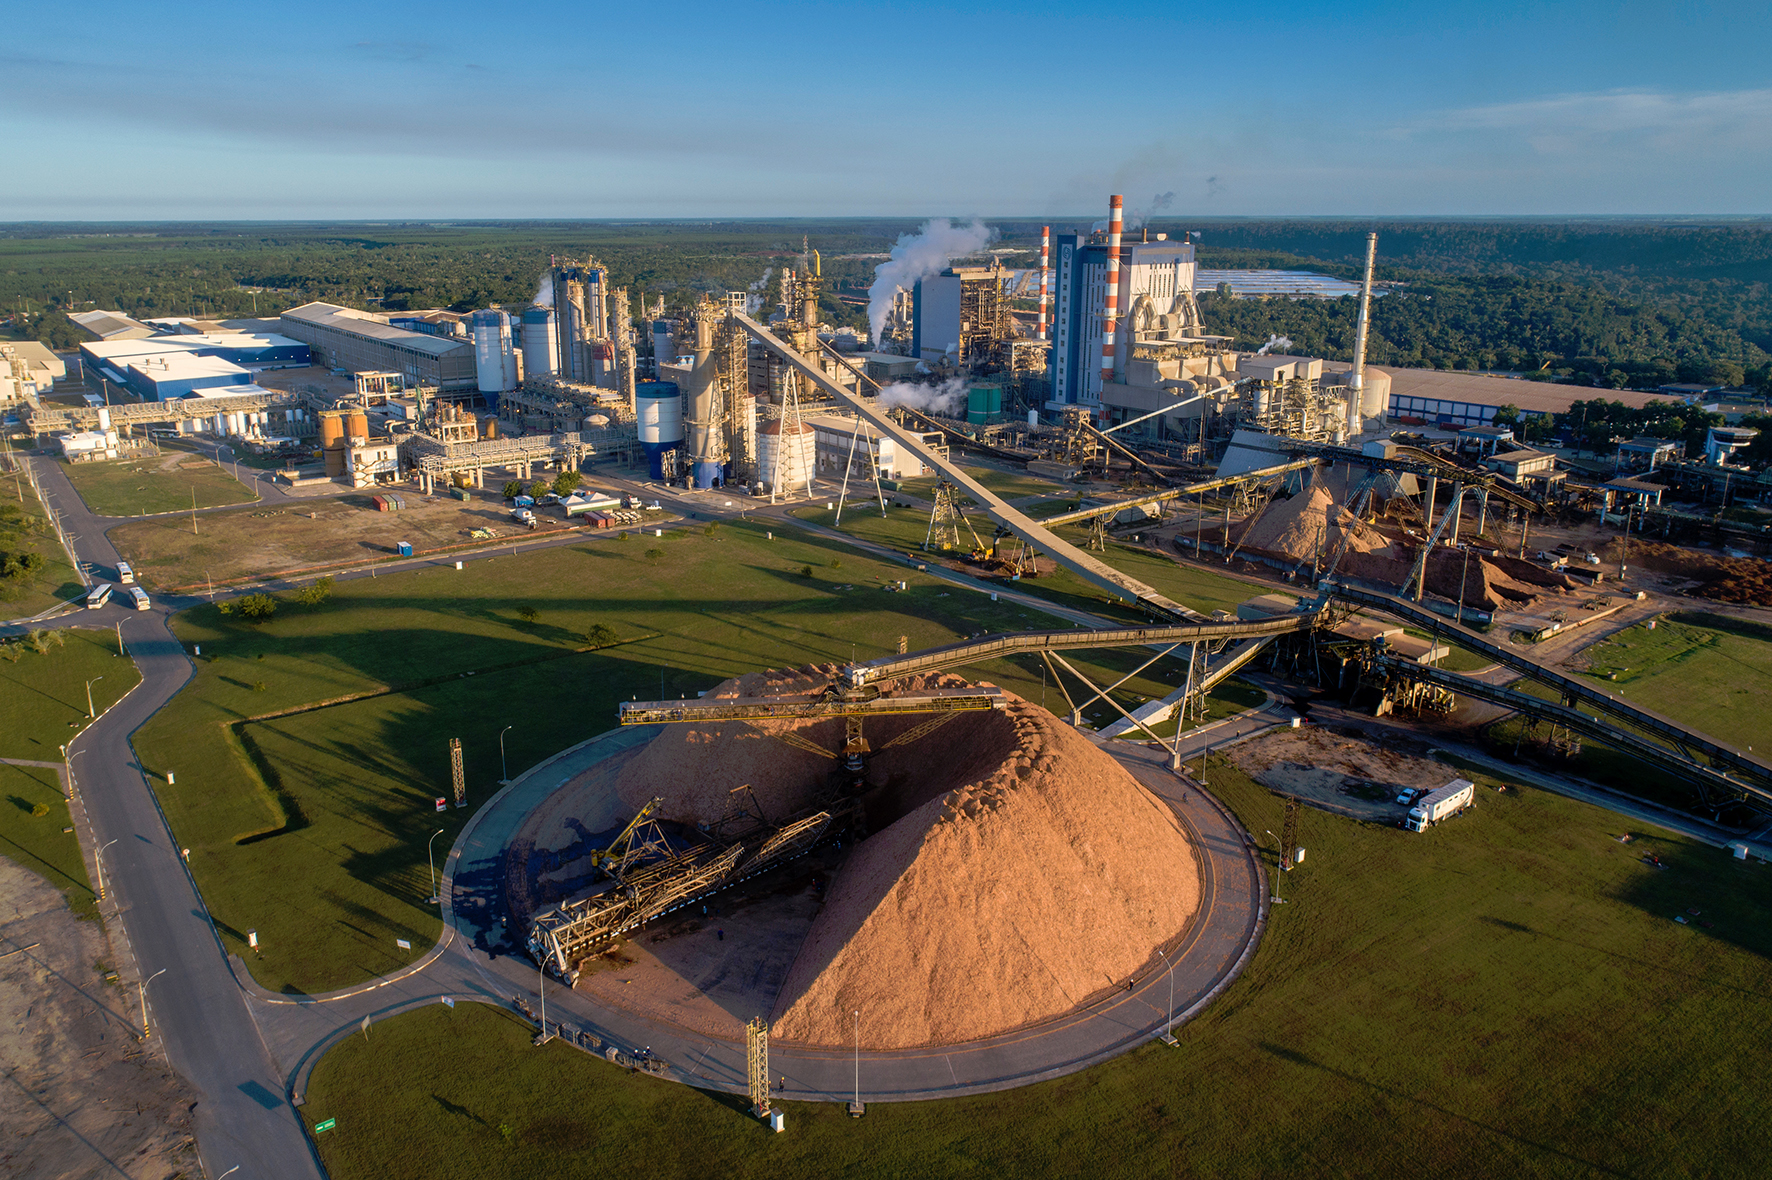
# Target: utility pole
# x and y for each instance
(193, 510)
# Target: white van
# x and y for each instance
(125, 575)
(139, 598)
(98, 595)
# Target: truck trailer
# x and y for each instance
(1448, 801)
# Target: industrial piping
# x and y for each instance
(1111, 308)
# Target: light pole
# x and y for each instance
(1278, 900)
(429, 845)
(1463, 582)
(541, 975)
(143, 985)
(1169, 1018)
(857, 1109)
(99, 858)
(89, 710)
(504, 772)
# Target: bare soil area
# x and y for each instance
(80, 1097)
(1346, 773)
(266, 542)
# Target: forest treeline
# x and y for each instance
(1607, 303)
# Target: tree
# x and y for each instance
(256, 608)
(655, 555)
(527, 613)
(567, 482)
(600, 635)
(540, 488)
(513, 489)
(315, 592)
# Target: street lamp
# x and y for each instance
(89, 710)
(143, 985)
(429, 845)
(1169, 1019)
(1278, 900)
(504, 772)
(855, 1110)
(99, 858)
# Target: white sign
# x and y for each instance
(252, 939)
(448, 1002)
(403, 944)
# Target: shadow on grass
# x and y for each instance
(1415, 1099)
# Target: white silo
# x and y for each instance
(541, 347)
(495, 366)
(785, 455)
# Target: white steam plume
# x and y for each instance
(946, 398)
(544, 290)
(921, 255)
(1274, 342)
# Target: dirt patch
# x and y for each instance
(1706, 574)
(267, 541)
(1347, 773)
(80, 1097)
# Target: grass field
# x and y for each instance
(340, 797)
(1011, 485)
(161, 483)
(25, 528)
(905, 530)
(43, 699)
(1710, 671)
(1505, 995)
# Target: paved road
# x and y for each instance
(196, 1006)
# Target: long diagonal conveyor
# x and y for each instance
(1746, 771)
(1063, 552)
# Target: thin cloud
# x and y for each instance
(1696, 121)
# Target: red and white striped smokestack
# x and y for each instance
(1111, 311)
(1045, 270)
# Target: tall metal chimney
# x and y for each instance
(1357, 381)
(1111, 310)
(1045, 272)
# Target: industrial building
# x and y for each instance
(344, 338)
(110, 325)
(28, 369)
(156, 368)
(1275, 284)
(842, 443)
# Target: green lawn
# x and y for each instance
(338, 799)
(139, 487)
(1505, 995)
(1010, 485)
(43, 699)
(1709, 671)
(906, 529)
(25, 528)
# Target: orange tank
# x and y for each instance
(332, 428)
(357, 426)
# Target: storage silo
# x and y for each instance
(785, 456)
(659, 407)
(663, 352)
(495, 364)
(357, 427)
(540, 344)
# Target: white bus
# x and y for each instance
(139, 598)
(125, 575)
(98, 595)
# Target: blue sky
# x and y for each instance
(544, 109)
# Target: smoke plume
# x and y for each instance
(1273, 342)
(921, 255)
(544, 290)
(1137, 218)
(946, 398)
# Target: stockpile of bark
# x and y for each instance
(1745, 580)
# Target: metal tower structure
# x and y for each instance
(757, 1064)
(455, 773)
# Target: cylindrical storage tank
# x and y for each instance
(335, 460)
(1375, 393)
(662, 351)
(659, 407)
(357, 425)
(492, 348)
(785, 457)
(489, 428)
(540, 344)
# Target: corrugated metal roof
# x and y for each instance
(359, 323)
